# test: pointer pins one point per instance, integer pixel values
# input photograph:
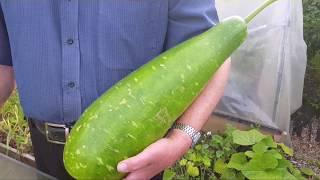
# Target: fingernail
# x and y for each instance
(122, 167)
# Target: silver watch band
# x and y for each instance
(193, 133)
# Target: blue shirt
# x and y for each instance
(66, 53)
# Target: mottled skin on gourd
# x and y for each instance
(140, 109)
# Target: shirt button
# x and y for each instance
(70, 41)
(71, 84)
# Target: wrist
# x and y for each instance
(179, 137)
(193, 133)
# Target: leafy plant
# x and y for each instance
(237, 154)
(13, 128)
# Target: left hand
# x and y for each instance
(156, 157)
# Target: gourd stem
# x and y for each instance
(258, 10)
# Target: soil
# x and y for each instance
(3, 139)
(307, 149)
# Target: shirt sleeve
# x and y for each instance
(5, 52)
(188, 18)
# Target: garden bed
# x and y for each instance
(15, 139)
(14, 132)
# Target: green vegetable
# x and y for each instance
(140, 109)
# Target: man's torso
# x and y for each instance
(67, 53)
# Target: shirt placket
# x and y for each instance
(70, 60)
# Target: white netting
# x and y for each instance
(267, 73)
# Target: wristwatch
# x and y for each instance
(193, 133)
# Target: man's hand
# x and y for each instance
(6, 83)
(165, 152)
(156, 157)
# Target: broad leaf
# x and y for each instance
(261, 162)
(219, 154)
(249, 154)
(168, 174)
(220, 166)
(275, 153)
(228, 174)
(240, 176)
(268, 141)
(217, 140)
(286, 149)
(206, 161)
(198, 147)
(283, 163)
(307, 171)
(274, 174)
(260, 147)
(193, 171)
(246, 138)
(296, 173)
(237, 161)
(183, 162)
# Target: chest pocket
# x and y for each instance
(127, 32)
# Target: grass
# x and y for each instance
(14, 131)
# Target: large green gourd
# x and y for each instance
(141, 108)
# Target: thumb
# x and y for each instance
(136, 162)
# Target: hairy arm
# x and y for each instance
(200, 110)
(166, 151)
(187, 18)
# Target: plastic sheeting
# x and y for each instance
(267, 73)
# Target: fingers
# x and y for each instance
(145, 173)
(136, 162)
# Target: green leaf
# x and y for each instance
(168, 174)
(296, 173)
(283, 163)
(261, 162)
(260, 147)
(193, 171)
(237, 161)
(246, 138)
(268, 141)
(189, 163)
(219, 154)
(307, 171)
(213, 178)
(198, 147)
(249, 154)
(216, 140)
(275, 153)
(206, 161)
(286, 149)
(183, 162)
(274, 174)
(229, 129)
(191, 157)
(229, 174)
(198, 158)
(220, 166)
(205, 146)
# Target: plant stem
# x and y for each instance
(258, 10)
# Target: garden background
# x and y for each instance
(305, 123)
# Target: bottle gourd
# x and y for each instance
(141, 108)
